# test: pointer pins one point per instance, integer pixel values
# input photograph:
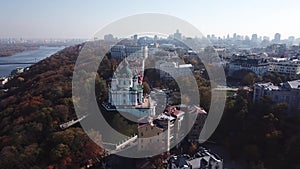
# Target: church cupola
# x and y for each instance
(125, 71)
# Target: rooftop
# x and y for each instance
(294, 84)
(268, 86)
(172, 110)
(283, 86)
(195, 161)
(185, 66)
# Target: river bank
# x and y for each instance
(29, 56)
(12, 49)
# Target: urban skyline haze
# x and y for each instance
(82, 19)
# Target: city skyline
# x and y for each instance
(78, 19)
(234, 36)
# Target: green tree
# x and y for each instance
(60, 152)
(147, 88)
(249, 79)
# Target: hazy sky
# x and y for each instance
(82, 19)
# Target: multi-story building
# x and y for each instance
(151, 137)
(276, 49)
(288, 92)
(170, 70)
(120, 51)
(289, 68)
(203, 159)
(136, 51)
(277, 38)
(109, 37)
(117, 51)
(161, 131)
(257, 64)
(177, 35)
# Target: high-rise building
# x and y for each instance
(254, 38)
(277, 38)
(177, 35)
(109, 37)
(247, 37)
(234, 36)
(135, 37)
(291, 39)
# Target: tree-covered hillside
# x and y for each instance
(36, 103)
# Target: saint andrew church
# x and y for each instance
(126, 88)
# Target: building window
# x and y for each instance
(142, 134)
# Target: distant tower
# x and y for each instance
(177, 35)
(109, 37)
(135, 37)
(155, 38)
(247, 37)
(234, 36)
(277, 37)
(291, 39)
(254, 38)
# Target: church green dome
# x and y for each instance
(125, 70)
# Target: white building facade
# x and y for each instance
(289, 68)
(168, 70)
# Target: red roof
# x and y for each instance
(171, 110)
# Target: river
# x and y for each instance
(24, 57)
